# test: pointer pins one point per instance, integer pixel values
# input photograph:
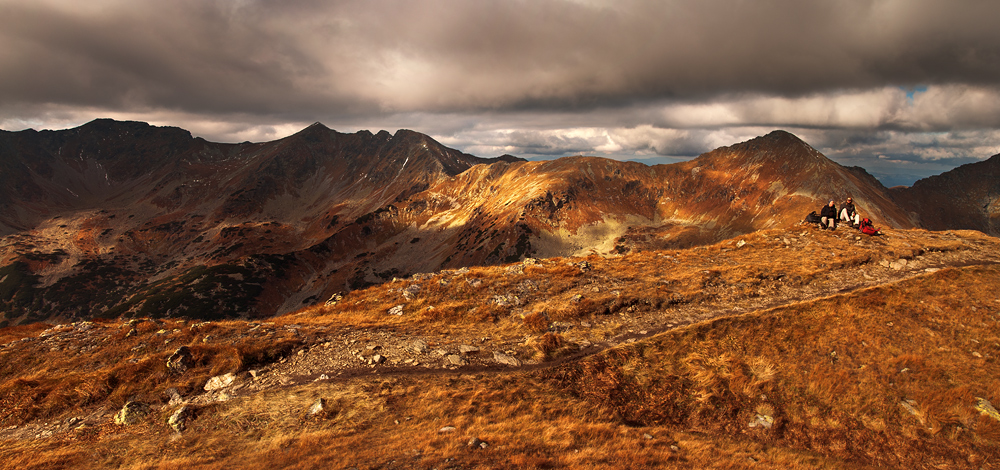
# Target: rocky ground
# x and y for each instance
(330, 352)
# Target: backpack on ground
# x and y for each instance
(813, 218)
(867, 228)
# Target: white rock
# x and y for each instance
(505, 359)
(220, 381)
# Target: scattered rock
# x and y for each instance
(763, 421)
(220, 382)
(476, 443)
(466, 349)
(456, 360)
(397, 310)
(411, 291)
(318, 407)
(447, 429)
(506, 300)
(741, 243)
(986, 408)
(474, 282)
(899, 264)
(131, 413)
(174, 396)
(506, 359)
(909, 406)
(180, 361)
(576, 298)
(178, 420)
(377, 359)
(334, 299)
(419, 346)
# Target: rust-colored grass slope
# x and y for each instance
(885, 372)
(889, 376)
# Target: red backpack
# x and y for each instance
(867, 228)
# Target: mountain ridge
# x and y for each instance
(285, 224)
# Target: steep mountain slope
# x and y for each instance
(123, 219)
(123, 214)
(967, 197)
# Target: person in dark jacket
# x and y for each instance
(828, 216)
(849, 214)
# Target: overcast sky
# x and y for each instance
(903, 88)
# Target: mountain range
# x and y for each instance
(123, 219)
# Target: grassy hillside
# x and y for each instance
(781, 349)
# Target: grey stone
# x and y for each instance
(466, 349)
(334, 299)
(419, 346)
(985, 408)
(318, 406)
(476, 443)
(411, 291)
(180, 361)
(762, 421)
(175, 397)
(178, 420)
(505, 359)
(131, 413)
(220, 381)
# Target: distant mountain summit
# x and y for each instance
(123, 218)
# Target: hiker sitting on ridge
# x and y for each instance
(849, 214)
(828, 216)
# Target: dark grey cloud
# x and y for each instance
(622, 78)
(289, 57)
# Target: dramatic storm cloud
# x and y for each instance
(905, 88)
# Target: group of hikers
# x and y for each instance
(848, 213)
(828, 217)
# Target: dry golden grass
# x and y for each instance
(49, 383)
(831, 372)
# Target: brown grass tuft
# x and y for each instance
(537, 322)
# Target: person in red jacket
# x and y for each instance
(828, 216)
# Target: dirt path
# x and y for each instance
(337, 354)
